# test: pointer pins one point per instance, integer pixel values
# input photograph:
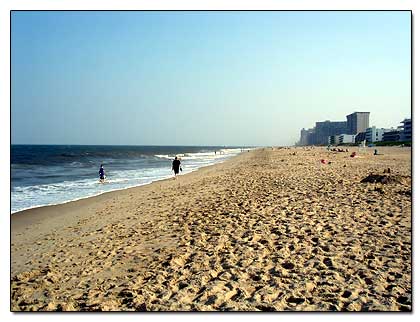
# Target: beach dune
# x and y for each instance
(268, 230)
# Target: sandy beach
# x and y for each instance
(268, 230)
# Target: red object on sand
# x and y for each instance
(353, 155)
(324, 161)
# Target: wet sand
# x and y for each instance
(269, 230)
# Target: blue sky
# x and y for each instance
(203, 78)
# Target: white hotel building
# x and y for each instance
(374, 134)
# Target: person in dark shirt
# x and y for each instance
(176, 166)
(101, 174)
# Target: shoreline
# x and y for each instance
(268, 230)
(29, 216)
(119, 189)
(93, 196)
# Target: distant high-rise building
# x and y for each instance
(357, 122)
(327, 128)
(311, 137)
(406, 130)
(305, 137)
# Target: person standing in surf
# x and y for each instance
(101, 174)
(176, 166)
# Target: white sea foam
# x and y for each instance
(220, 154)
(32, 196)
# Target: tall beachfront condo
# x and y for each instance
(357, 122)
(327, 128)
(406, 134)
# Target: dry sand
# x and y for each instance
(267, 230)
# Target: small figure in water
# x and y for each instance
(101, 174)
(176, 166)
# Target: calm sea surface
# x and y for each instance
(53, 174)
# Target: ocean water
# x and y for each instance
(53, 174)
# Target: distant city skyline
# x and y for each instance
(356, 122)
(204, 78)
(355, 129)
(395, 124)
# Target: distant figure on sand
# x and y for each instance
(101, 174)
(176, 165)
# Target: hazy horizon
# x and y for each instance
(151, 145)
(203, 78)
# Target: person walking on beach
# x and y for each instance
(101, 174)
(176, 166)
